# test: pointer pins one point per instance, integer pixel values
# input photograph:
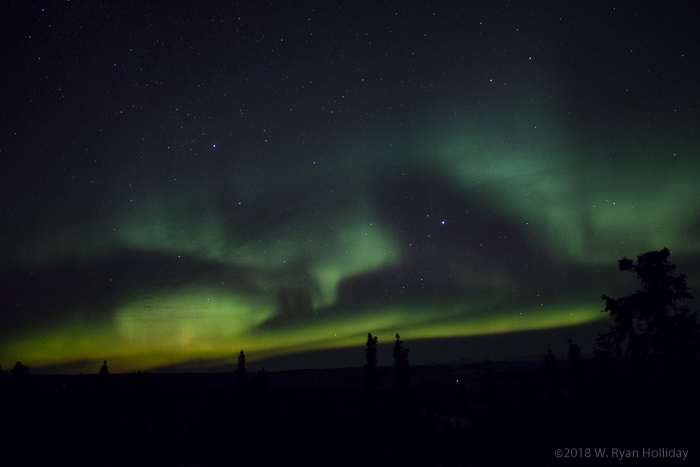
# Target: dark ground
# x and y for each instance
(471, 414)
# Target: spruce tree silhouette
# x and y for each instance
(104, 378)
(653, 320)
(574, 353)
(20, 370)
(552, 372)
(20, 378)
(402, 370)
(240, 373)
(371, 365)
(262, 382)
(576, 363)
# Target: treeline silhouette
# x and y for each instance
(638, 391)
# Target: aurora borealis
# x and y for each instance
(184, 180)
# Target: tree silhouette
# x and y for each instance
(552, 373)
(402, 371)
(104, 377)
(20, 370)
(262, 382)
(240, 370)
(653, 320)
(574, 353)
(371, 365)
(576, 362)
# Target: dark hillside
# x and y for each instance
(483, 413)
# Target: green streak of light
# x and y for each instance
(640, 199)
(326, 248)
(192, 325)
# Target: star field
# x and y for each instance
(182, 181)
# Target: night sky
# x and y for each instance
(183, 180)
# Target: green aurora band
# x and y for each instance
(492, 198)
(538, 187)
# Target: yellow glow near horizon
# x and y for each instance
(190, 325)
